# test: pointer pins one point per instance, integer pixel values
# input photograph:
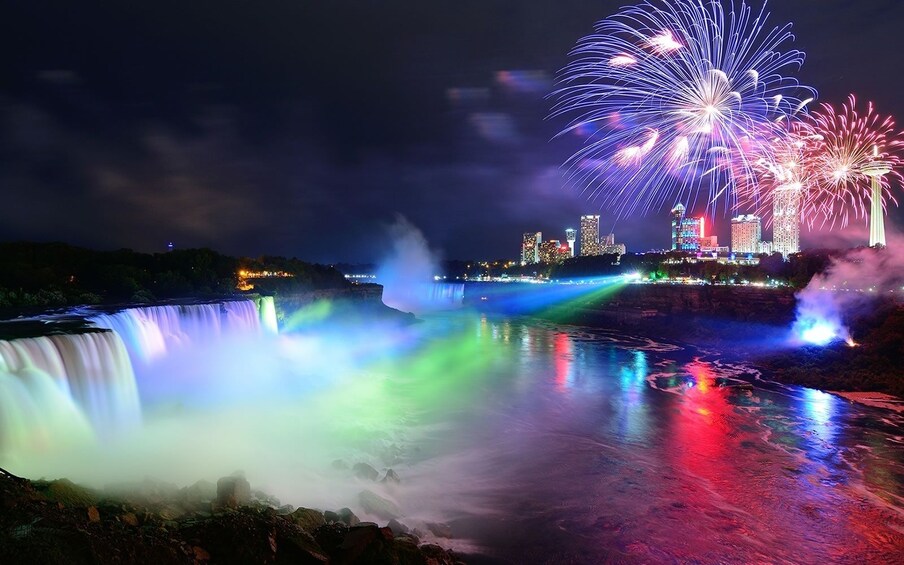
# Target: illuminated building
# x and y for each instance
(530, 248)
(686, 232)
(609, 247)
(746, 233)
(590, 235)
(786, 219)
(764, 247)
(553, 251)
(571, 235)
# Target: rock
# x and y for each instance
(439, 530)
(66, 492)
(264, 498)
(365, 471)
(200, 554)
(309, 520)
(331, 517)
(285, 510)
(93, 514)
(199, 493)
(378, 506)
(435, 555)
(347, 517)
(129, 518)
(365, 544)
(397, 527)
(408, 538)
(233, 491)
(391, 477)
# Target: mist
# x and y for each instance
(849, 285)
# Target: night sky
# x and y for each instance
(303, 127)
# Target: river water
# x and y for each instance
(531, 442)
(586, 446)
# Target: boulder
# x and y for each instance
(374, 504)
(397, 527)
(439, 530)
(347, 517)
(365, 471)
(391, 477)
(308, 519)
(201, 492)
(233, 491)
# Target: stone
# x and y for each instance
(391, 477)
(199, 493)
(439, 530)
(397, 527)
(309, 520)
(347, 517)
(200, 553)
(233, 491)
(365, 471)
(265, 499)
(374, 504)
(129, 518)
(285, 510)
(93, 514)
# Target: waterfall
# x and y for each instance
(65, 386)
(267, 309)
(58, 390)
(447, 294)
(150, 332)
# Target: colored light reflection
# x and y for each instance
(563, 358)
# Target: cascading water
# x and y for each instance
(267, 309)
(150, 332)
(54, 388)
(447, 294)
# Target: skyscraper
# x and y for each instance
(530, 248)
(549, 252)
(686, 232)
(786, 220)
(590, 235)
(571, 236)
(746, 233)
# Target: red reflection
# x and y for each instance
(702, 427)
(562, 355)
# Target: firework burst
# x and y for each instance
(852, 141)
(672, 98)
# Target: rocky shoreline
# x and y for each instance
(58, 522)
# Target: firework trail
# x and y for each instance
(851, 139)
(674, 100)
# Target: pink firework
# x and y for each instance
(851, 140)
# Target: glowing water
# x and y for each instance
(529, 439)
(64, 388)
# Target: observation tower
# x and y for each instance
(875, 169)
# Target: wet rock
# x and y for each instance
(93, 514)
(376, 505)
(435, 555)
(365, 471)
(408, 538)
(309, 520)
(439, 530)
(397, 527)
(66, 492)
(347, 517)
(198, 494)
(233, 491)
(265, 499)
(391, 477)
